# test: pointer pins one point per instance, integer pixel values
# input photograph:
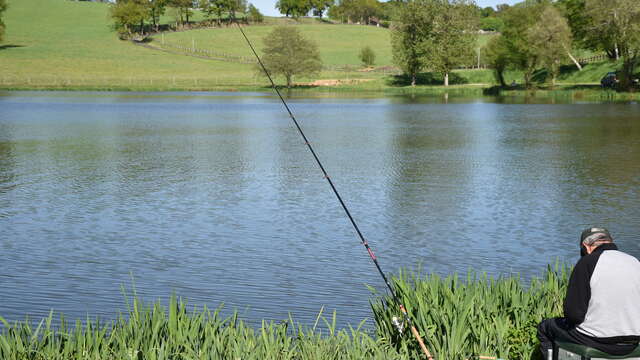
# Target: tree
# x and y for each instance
(156, 9)
(408, 37)
(320, 6)
(3, 7)
(236, 6)
(452, 38)
(217, 7)
(182, 10)
(356, 11)
(255, 15)
(126, 14)
(294, 8)
(518, 19)
(551, 39)
(497, 54)
(289, 54)
(619, 21)
(367, 56)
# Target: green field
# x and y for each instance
(62, 44)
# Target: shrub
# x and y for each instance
(367, 56)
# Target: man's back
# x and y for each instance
(614, 305)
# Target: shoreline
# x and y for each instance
(458, 317)
(575, 92)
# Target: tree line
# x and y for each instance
(439, 35)
(137, 16)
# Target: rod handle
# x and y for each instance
(416, 334)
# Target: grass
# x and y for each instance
(70, 45)
(338, 44)
(475, 316)
(458, 318)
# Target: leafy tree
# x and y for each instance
(294, 8)
(235, 6)
(487, 12)
(409, 35)
(367, 56)
(320, 6)
(156, 9)
(182, 10)
(452, 38)
(518, 19)
(289, 54)
(356, 11)
(127, 14)
(3, 7)
(618, 21)
(551, 39)
(255, 15)
(497, 53)
(216, 7)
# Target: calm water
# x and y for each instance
(215, 197)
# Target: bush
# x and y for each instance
(255, 16)
(367, 56)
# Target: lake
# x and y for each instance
(214, 196)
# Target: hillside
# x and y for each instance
(57, 42)
(71, 45)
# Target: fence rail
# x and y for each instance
(106, 82)
(591, 59)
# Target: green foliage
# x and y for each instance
(127, 14)
(618, 21)
(497, 55)
(254, 16)
(437, 33)
(3, 7)
(153, 331)
(156, 9)
(367, 56)
(181, 10)
(356, 11)
(294, 8)
(320, 6)
(491, 23)
(288, 53)
(550, 38)
(518, 20)
(408, 37)
(478, 316)
(452, 38)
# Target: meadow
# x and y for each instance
(71, 45)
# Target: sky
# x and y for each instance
(267, 7)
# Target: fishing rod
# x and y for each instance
(407, 319)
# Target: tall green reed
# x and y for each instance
(155, 332)
(460, 319)
(480, 315)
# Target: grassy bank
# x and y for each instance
(459, 318)
(464, 318)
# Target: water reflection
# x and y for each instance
(215, 197)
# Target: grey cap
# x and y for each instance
(595, 234)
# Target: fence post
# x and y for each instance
(193, 45)
(162, 38)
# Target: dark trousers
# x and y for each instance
(559, 329)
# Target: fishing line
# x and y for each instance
(415, 332)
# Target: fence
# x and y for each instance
(128, 82)
(594, 58)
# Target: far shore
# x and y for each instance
(585, 91)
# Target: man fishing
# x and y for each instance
(601, 308)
